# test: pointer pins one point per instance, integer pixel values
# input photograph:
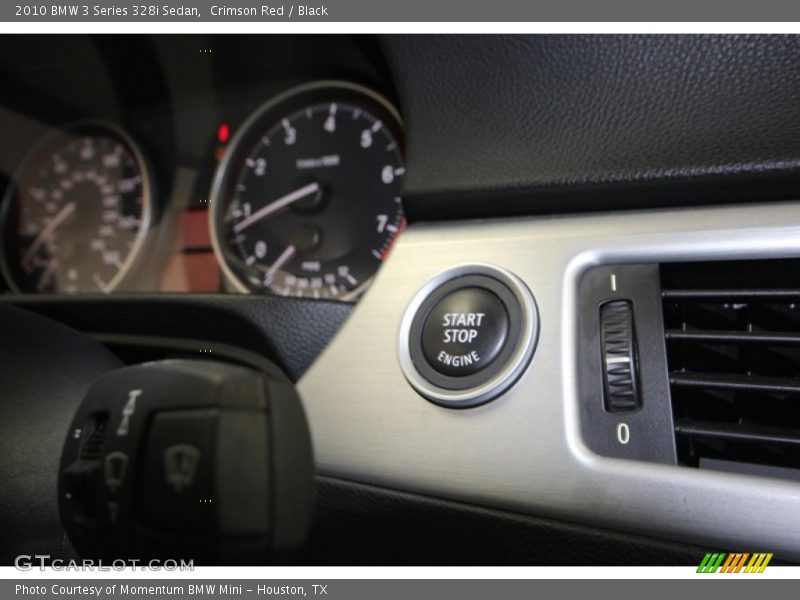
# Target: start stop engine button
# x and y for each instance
(465, 331)
(468, 335)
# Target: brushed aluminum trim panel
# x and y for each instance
(523, 451)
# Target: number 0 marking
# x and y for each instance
(623, 433)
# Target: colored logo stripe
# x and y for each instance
(734, 562)
(758, 563)
(711, 562)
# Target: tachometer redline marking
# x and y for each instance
(400, 228)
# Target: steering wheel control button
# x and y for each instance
(178, 483)
(190, 459)
(468, 335)
(465, 332)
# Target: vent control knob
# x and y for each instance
(620, 369)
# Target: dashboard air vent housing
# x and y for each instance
(732, 333)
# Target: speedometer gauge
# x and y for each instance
(307, 198)
(77, 212)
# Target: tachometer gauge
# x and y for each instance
(77, 212)
(307, 199)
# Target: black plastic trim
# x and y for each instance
(361, 524)
(645, 433)
(290, 332)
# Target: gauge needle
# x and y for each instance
(285, 257)
(48, 230)
(272, 207)
(46, 275)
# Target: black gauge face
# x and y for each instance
(309, 203)
(77, 213)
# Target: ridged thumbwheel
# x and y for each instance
(619, 356)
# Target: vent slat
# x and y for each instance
(753, 294)
(740, 383)
(733, 337)
(750, 434)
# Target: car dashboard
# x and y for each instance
(538, 294)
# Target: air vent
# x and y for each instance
(733, 350)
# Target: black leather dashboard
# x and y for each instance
(519, 124)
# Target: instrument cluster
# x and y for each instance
(299, 198)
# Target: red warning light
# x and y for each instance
(223, 133)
